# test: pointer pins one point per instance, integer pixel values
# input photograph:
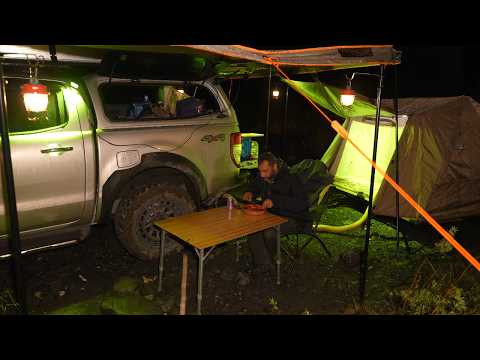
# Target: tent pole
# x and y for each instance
(267, 122)
(285, 123)
(364, 257)
(10, 199)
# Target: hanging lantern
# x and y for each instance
(35, 97)
(276, 93)
(347, 97)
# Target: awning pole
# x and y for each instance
(397, 167)
(267, 122)
(285, 118)
(397, 195)
(364, 257)
(10, 200)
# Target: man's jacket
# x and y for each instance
(287, 192)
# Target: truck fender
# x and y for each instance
(154, 168)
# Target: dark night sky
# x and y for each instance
(425, 71)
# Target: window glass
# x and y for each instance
(19, 120)
(127, 101)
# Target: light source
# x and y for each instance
(347, 96)
(35, 95)
(276, 93)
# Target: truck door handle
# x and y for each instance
(56, 149)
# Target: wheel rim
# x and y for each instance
(159, 209)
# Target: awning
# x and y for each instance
(228, 61)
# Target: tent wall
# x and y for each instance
(439, 167)
(350, 170)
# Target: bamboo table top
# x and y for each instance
(214, 226)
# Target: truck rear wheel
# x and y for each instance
(145, 204)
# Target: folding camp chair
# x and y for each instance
(316, 213)
(310, 232)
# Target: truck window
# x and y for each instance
(19, 120)
(127, 101)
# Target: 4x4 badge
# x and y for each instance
(212, 138)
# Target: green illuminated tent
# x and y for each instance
(439, 139)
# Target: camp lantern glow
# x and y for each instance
(347, 96)
(275, 94)
(35, 97)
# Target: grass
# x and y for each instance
(434, 281)
(8, 304)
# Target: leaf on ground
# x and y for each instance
(148, 279)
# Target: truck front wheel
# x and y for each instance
(137, 211)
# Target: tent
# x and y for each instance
(351, 172)
(438, 142)
(438, 159)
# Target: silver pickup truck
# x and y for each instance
(117, 149)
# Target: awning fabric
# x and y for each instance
(234, 61)
(328, 97)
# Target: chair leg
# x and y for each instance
(306, 244)
(288, 254)
(286, 251)
(323, 244)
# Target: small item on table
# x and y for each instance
(253, 209)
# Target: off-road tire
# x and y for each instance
(143, 205)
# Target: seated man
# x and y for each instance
(282, 193)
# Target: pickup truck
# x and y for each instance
(118, 149)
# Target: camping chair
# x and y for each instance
(316, 212)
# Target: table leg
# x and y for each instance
(160, 270)
(278, 254)
(200, 281)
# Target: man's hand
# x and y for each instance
(267, 204)
(248, 196)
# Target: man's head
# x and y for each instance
(268, 166)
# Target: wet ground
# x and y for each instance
(99, 277)
(89, 272)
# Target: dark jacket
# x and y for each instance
(287, 192)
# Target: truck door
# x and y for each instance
(48, 159)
